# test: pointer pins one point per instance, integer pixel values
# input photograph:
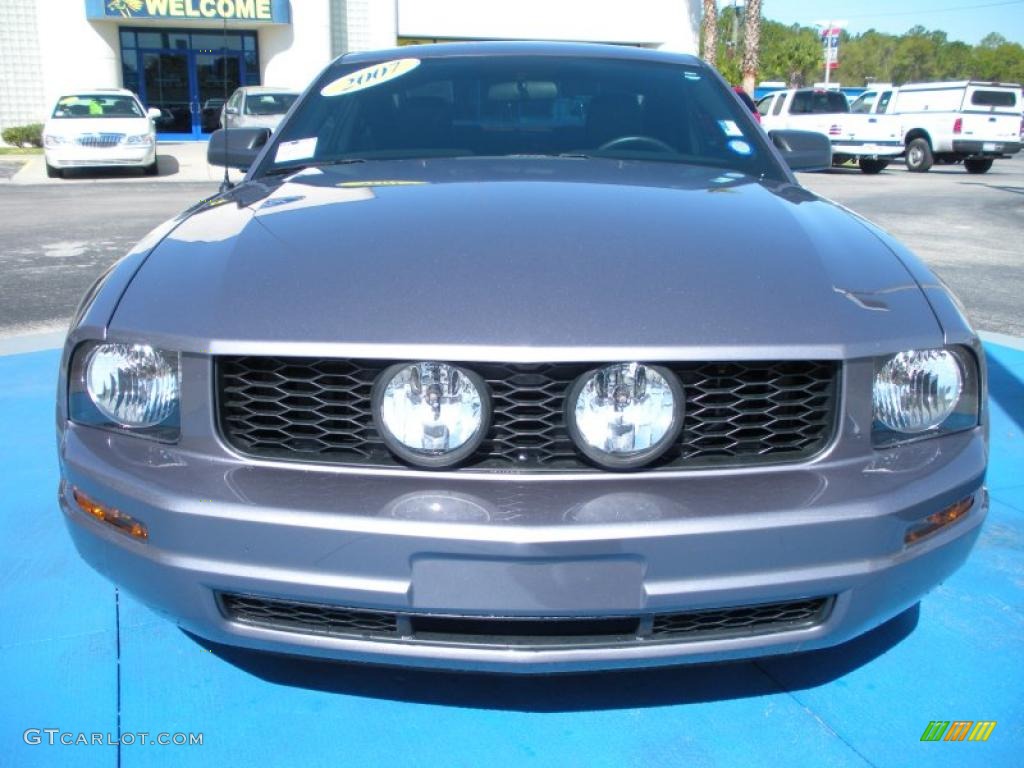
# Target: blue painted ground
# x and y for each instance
(75, 655)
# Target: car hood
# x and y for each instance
(73, 126)
(525, 260)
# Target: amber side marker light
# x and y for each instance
(932, 523)
(119, 520)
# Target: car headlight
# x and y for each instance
(921, 392)
(142, 140)
(126, 387)
(625, 415)
(52, 140)
(431, 414)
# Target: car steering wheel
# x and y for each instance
(649, 140)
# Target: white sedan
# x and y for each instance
(99, 129)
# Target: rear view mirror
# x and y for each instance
(153, 113)
(803, 150)
(236, 148)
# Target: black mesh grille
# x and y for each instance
(755, 618)
(737, 413)
(317, 619)
(304, 617)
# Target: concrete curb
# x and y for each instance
(1014, 342)
(36, 341)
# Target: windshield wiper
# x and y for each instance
(315, 164)
(533, 156)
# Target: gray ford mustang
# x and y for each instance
(528, 358)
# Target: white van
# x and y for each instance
(963, 121)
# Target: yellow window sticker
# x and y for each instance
(367, 77)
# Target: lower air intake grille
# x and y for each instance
(334, 621)
(755, 617)
(306, 618)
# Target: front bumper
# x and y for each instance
(874, 149)
(73, 156)
(418, 543)
(986, 148)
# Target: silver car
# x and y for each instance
(522, 357)
(257, 106)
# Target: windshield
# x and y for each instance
(523, 105)
(269, 103)
(97, 105)
(818, 103)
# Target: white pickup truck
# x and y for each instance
(950, 122)
(872, 139)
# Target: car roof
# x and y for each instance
(521, 48)
(955, 84)
(98, 94)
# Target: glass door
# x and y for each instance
(167, 85)
(217, 75)
(184, 74)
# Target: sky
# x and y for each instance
(967, 20)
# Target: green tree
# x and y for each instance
(791, 54)
(866, 58)
(995, 58)
(915, 59)
(954, 61)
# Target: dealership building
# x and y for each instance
(181, 55)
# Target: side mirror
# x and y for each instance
(803, 150)
(236, 148)
(153, 113)
(231, 110)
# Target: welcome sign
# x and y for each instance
(258, 11)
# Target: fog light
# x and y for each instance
(934, 522)
(431, 414)
(119, 520)
(625, 415)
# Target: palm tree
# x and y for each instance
(752, 44)
(708, 30)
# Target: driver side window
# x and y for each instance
(863, 104)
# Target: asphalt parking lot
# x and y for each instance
(967, 227)
(59, 236)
